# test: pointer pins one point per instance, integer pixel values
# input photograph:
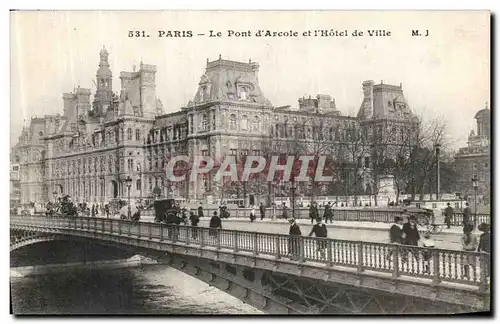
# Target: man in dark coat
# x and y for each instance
(319, 230)
(215, 222)
(313, 212)
(485, 244)
(467, 214)
(411, 236)
(285, 211)
(396, 234)
(448, 215)
(328, 215)
(200, 211)
(194, 219)
(262, 211)
(294, 240)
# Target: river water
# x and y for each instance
(152, 289)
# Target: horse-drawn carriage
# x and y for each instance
(428, 220)
(166, 211)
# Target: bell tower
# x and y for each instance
(103, 98)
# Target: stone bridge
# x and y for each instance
(281, 274)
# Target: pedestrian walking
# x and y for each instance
(467, 214)
(262, 211)
(215, 223)
(469, 243)
(320, 231)
(448, 215)
(194, 219)
(395, 234)
(252, 214)
(328, 215)
(200, 210)
(285, 211)
(412, 236)
(484, 245)
(428, 243)
(313, 212)
(294, 240)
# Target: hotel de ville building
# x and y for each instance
(102, 138)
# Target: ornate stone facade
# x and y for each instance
(89, 151)
(475, 160)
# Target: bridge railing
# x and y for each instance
(339, 214)
(438, 265)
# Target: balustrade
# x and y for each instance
(435, 264)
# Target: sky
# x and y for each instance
(445, 75)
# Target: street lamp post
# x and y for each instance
(102, 194)
(139, 169)
(475, 185)
(128, 182)
(438, 180)
(293, 188)
(274, 200)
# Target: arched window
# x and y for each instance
(256, 124)
(138, 184)
(232, 122)
(243, 93)
(137, 135)
(244, 123)
(129, 134)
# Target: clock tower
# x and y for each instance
(103, 98)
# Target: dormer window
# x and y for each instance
(203, 93)
(243, 94)
(204, 122)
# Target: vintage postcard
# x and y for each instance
(250, 162)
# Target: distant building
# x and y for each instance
(15, 184)
(475, 160)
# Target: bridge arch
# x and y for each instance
(30, 240)
(36, 238)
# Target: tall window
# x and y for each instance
(244, 123)
(137, 135)
(138, 184)
(243, 94)
(256, 124)
(232, 122)
(129, 134)
(367, 162)
(205, 122)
